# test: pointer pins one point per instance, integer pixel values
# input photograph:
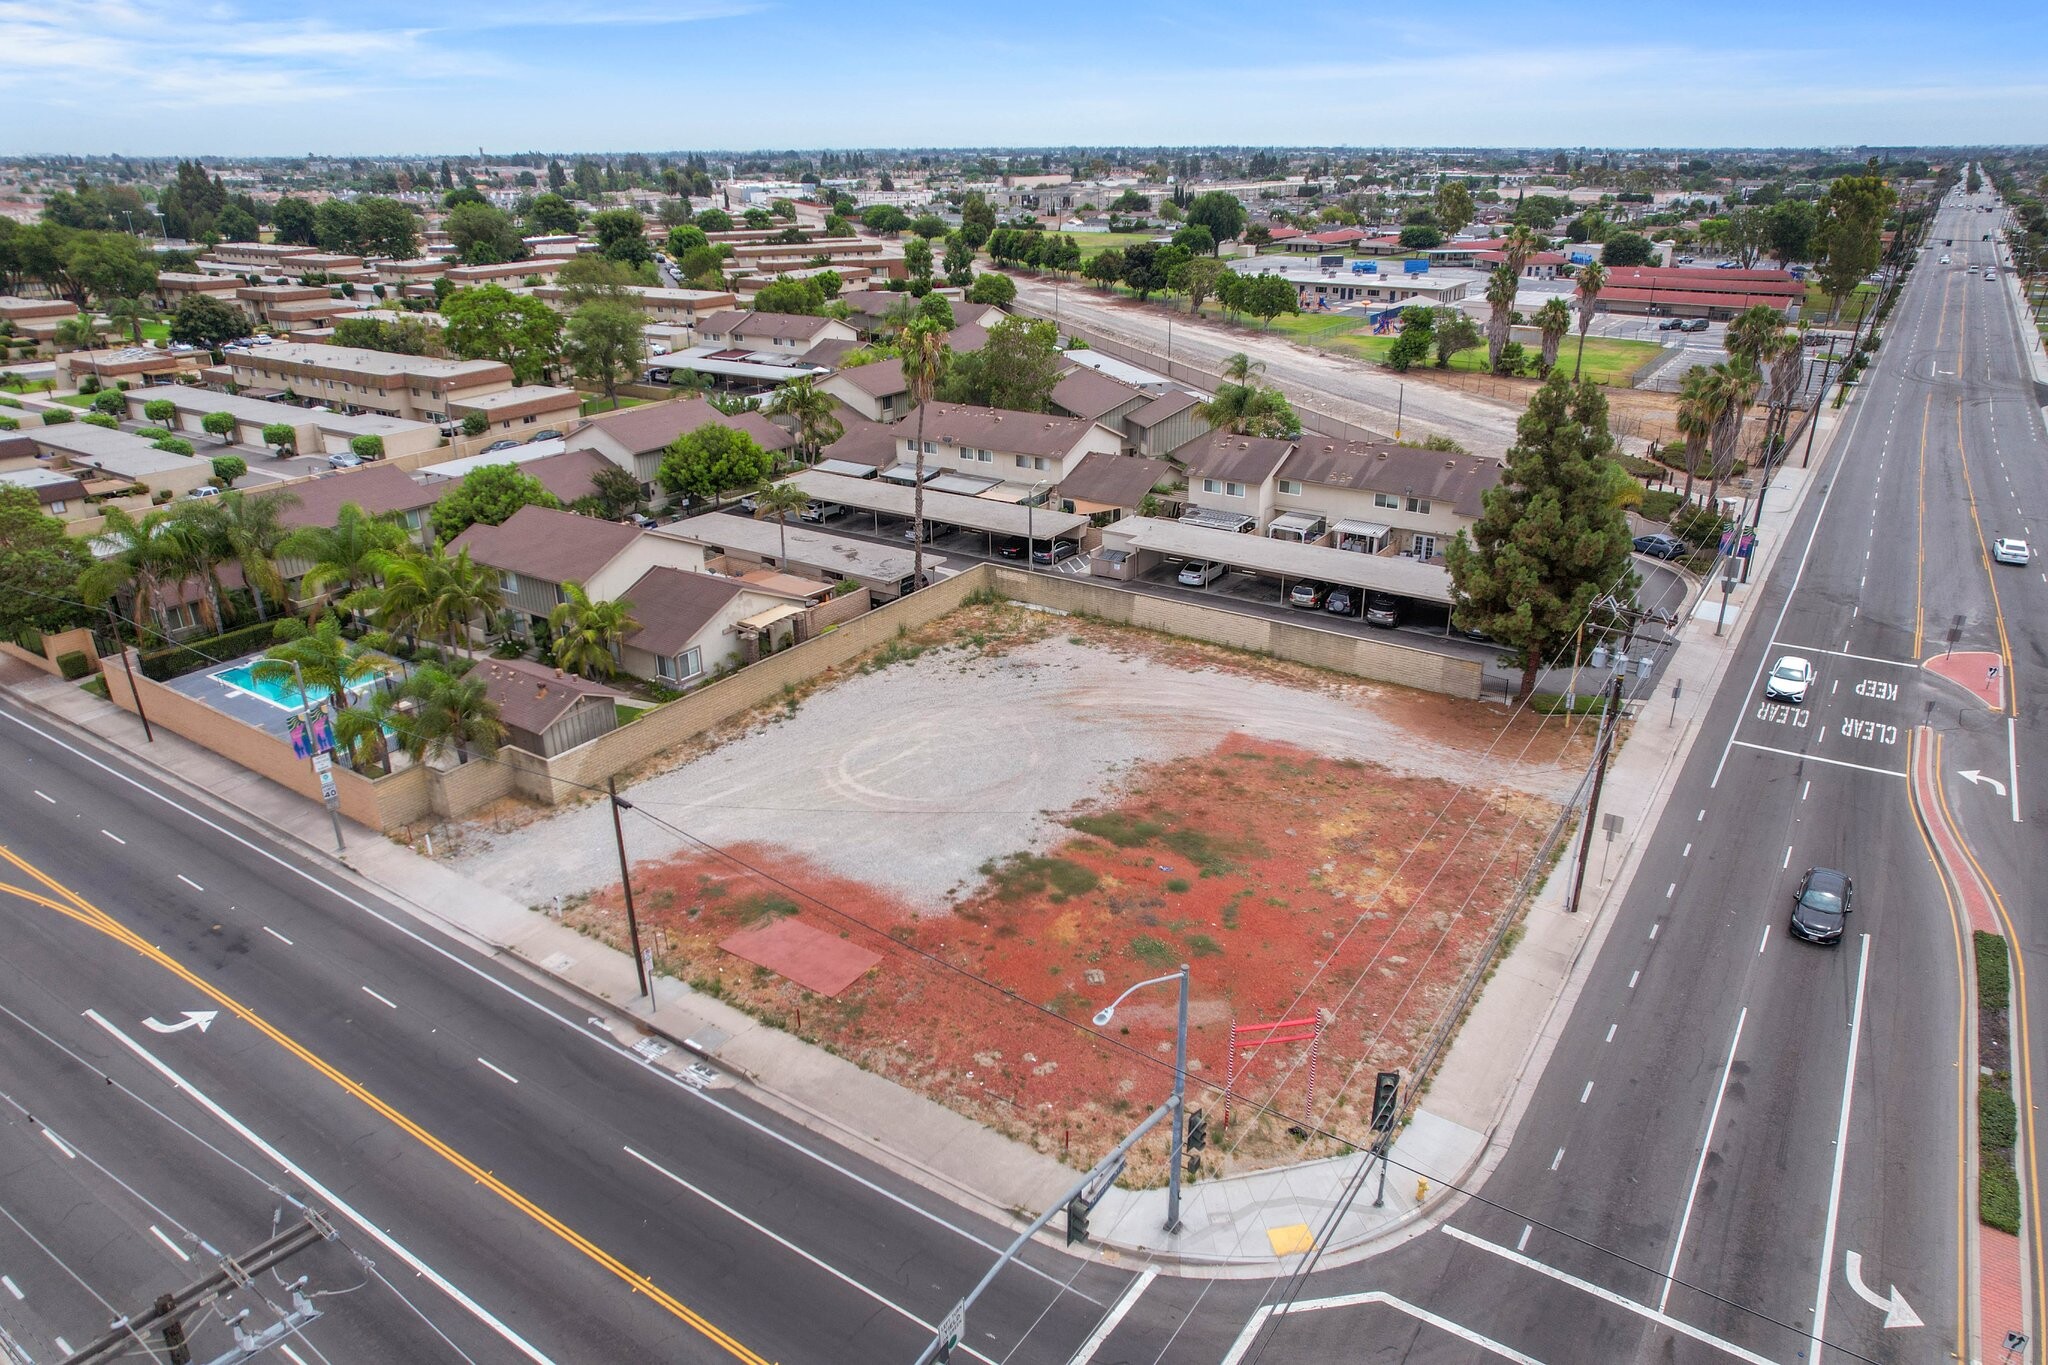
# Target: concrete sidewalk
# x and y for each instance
(1248, 1224)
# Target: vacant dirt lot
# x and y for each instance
(1024, 814)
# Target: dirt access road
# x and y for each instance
(1342, 387)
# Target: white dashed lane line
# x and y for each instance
(189, 882)
(60, 1145)
(276, 935)
(115, 837)
(378, 998)
(51, 799)
(501, 1071)
(12, 1287)
(176, 1250)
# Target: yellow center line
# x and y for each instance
(2012, 701)
(98, 919)
(1963, 1035)
(2023, 1043)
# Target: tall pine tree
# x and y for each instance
(1552, 538)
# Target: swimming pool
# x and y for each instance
(282, 694)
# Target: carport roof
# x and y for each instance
(977, 514)
(1403, 577)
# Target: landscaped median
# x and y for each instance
(1998, 1184)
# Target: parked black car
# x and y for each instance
(1010, 547)
(1341, 602)
(1660, 546)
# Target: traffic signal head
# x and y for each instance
(1386, 1092)
(1198, 1130)
(1077, 1221)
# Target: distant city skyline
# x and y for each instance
(157, 78)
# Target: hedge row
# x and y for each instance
(193, 655)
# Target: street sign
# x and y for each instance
(323, 762)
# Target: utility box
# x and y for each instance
(1415, 267)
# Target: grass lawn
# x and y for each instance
(1609, 360)
(159, 332)
(1095, 243)
(627, 714)
(75, 400)
(1816, 306)
(594, 404)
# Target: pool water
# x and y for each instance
(284, 694)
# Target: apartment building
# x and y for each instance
(416, 388)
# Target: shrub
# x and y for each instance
(1998, 1194)
(152, 433)
(161, 411)
(9, 424)
(281, 437)
(101, 419)
(193, 655)
(1658, 504)
(110, 401)
(1994, 979)
(73, 665)
(228, 468)
(368, 447)
(221, 424)
(57, 417)
(176, 445)
(89, 384)
(475, 424)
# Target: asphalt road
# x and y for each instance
(1730, 1113)
(507, 1168)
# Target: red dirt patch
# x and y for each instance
(1290, 882)
(816, 961)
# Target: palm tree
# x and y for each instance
(813, 411)
(1592, 279)
(1518, 246)
(345, 554)
(1554, 320)
(141, 563)
(197, 548)
(253, 529)
(587, 633)
(1501, 286)
(1698, 414)
(321, 655)
(80, 332)
(437, 712)
(1734, 385)
(1242, 369)
(924, 360)
(1752, 331)
(360, 730)
(401, 601)
(1785, 355)
(779, 500)
(130, 313)
(465, 591)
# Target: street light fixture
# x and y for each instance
(1180, 1082)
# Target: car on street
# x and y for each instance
(205, 490)
(1944, 260)
(1788, 680)
(1383, 611)
(1671, 325)
(344, 459)
(1660, 546)
(549, 434)
(1307, 593)
(1199, 573)
(1696, 325)
(1820, 907)
(496, 446)
(2008, 550)
(1055, 552)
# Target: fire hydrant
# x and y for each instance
(1421, 1191)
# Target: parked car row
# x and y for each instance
(1682, 325)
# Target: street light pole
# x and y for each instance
(1180, 1083)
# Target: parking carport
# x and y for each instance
(1289, 561)
(879, 498)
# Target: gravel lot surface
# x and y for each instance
(911, 777)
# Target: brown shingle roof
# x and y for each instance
(1087, 393)
(1240, 459)
(1159, 409)
(532, 696)
(653, 425)
(879, 380)
(1113, 480)
(999, 429)
(673, 605)
(569, 475)
(544, 544)
(1383, 467)
(733, 322)
(376, 488)
(865, 442)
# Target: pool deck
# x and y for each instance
(252, 710)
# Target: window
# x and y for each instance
(508, 581)
(57, 506)
(1291, 487)
(1233, 490)
(1420, 505)
(988, 457)
(681, 667)
(1211, 486)
(931, 448)
(529, 421)
(1038, 462)
(1386, 500)
(1023, 463)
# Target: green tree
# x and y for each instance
(1420, 237)
(1105, 267)
(236, 224)
(924, 364)
(475, 424)
(711, 461)
(977, 219)
(551, 215)
(484, 235)
(591, 276)
(177, 445)
(136, 558)
(605, 344)
(1552, 539)
(1016, 368)
(282, 438)
(1627, 248)
(1501, 285)
(938, 309)
(715, 220)
(917, 259)
(615, 493)
(1143, 272)
(447, 713)
(1554, 321)
(1848, 233)
(686, 239)
(492, 323)
(39, 568)
(320, 656)
(1788, 231)
(780, 501)
(587, 633)
(113, 402)
(884, 218)
(785, 294)
(1453, 207)
(1268, 296)
(1452, 331)
(404, 336)
(1195, 239)
(1220, 212)
(1592, 279)
(342, 556)
(249, 531)
(161, 411)
(203, 320)
(221, 424)
(489, 494)
(228, 468)
(993, 289)
(1417, 339)
(959, 262)
(387, 228)
(928, 226)
(104, 266)
(337, 226)
(79, 332)
(622, 236)
(1197, 279)
(130, 314)
(812, 412)
(292, 221)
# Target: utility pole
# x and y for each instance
(619, 803)
(129, 668)
(1827, 368)
(1608, 716)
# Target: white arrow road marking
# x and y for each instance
(1971, 775)
(202, 1018)
(1896, 1313)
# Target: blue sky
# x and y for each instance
(152, 77)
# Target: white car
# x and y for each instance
(1789, 678)
(1200, 573)
(1944, 260)
(2007, 550)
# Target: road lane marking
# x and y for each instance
(333, 1201)
(276, 935)
(176, 1250)
(1522, 1242)
(1764, 942)
(1608, 1295)
(12, 1287)
(1653, 931)
(501, 1071)
(1633, 977)
(60, 1145)
(1610, 1032)
(1806, 790)
(189, 882)
(1778, 645)
(62, 1345)
(2012, 764)
(533, 1002)
(1816, 758)
(1788, 857)
(376, 997)
(51, 799)
(1827, 1245)
(1706, 1145)
(1687, 853)
(291, 1355)
(115, 837)
(1669, 890)
(1113, 1318)
(1371, 1298)
(1556, 1159)
(787, 1245)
